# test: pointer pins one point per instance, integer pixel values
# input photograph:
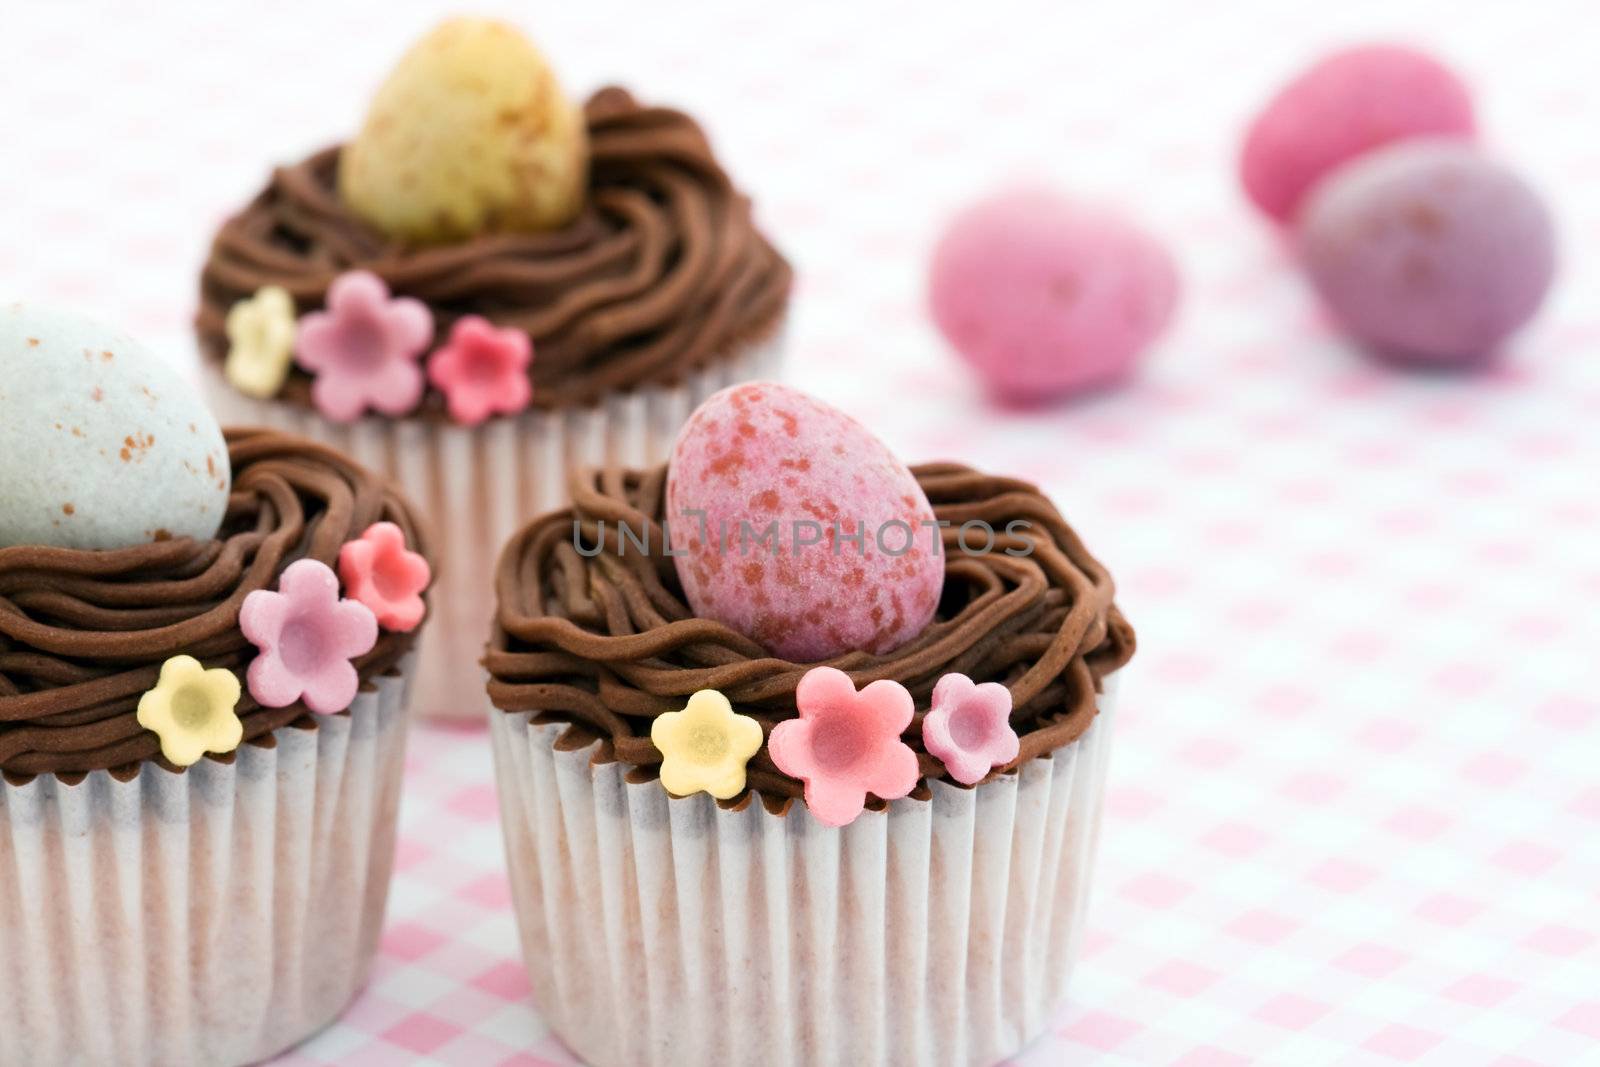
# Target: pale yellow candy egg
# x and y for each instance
(470, 134)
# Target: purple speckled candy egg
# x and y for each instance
(759, 458)
(1428, 251)
(1047, 296)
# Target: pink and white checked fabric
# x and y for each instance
(1355, 810)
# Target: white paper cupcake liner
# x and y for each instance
(664, 932)
(212, 917)
(476, 486)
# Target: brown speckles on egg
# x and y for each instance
(106, 355)
(135, 446)
(97, 394)
(68, 509)
(33, 342)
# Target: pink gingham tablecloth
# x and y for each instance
(1355, 803)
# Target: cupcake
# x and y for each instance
(486, 288)
(205, 641)
(800, 752)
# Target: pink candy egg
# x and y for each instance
(1349, 103)
(794, 525)
(1046, 296)
(1428, 251)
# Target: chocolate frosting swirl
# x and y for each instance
(83, 634)
(606, 643)
(661, 274)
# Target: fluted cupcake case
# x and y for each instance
(668, 932)
(478, 485)
(210, 917)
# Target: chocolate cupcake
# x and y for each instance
(871, 847)
(493, 288)
(202, 717)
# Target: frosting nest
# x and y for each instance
(83, 634)
(606, 642)
(662, 273)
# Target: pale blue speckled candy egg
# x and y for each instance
(102, 445)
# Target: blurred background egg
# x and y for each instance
(1046, 296)
(1428, 251)
(1352, 101)
(470, 133)
(102, 445)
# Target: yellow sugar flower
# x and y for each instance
(705, 746)
(191, 710)
(260, 342)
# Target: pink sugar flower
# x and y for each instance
(379, 571)
(482, 370)
(846, 744)
(307, 637)
(363, 349)
(969, 727)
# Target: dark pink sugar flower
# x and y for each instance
(846, 744)
(363, 349)
(379, 571)
(307, 636)
(969, 727)
(482, 370)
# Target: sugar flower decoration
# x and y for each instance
(705, 746)
(363, 349)
(846, 744)
(191, 710)
(482, 370)
(307, 637)
(379, 571)
(969, 727)
(260, 342)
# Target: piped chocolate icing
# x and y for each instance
(662, 274)
(605, 642)
(83, 634)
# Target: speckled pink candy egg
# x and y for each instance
(762, 454)
(1350, 102)
(1046, 296)
(1428, 251)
